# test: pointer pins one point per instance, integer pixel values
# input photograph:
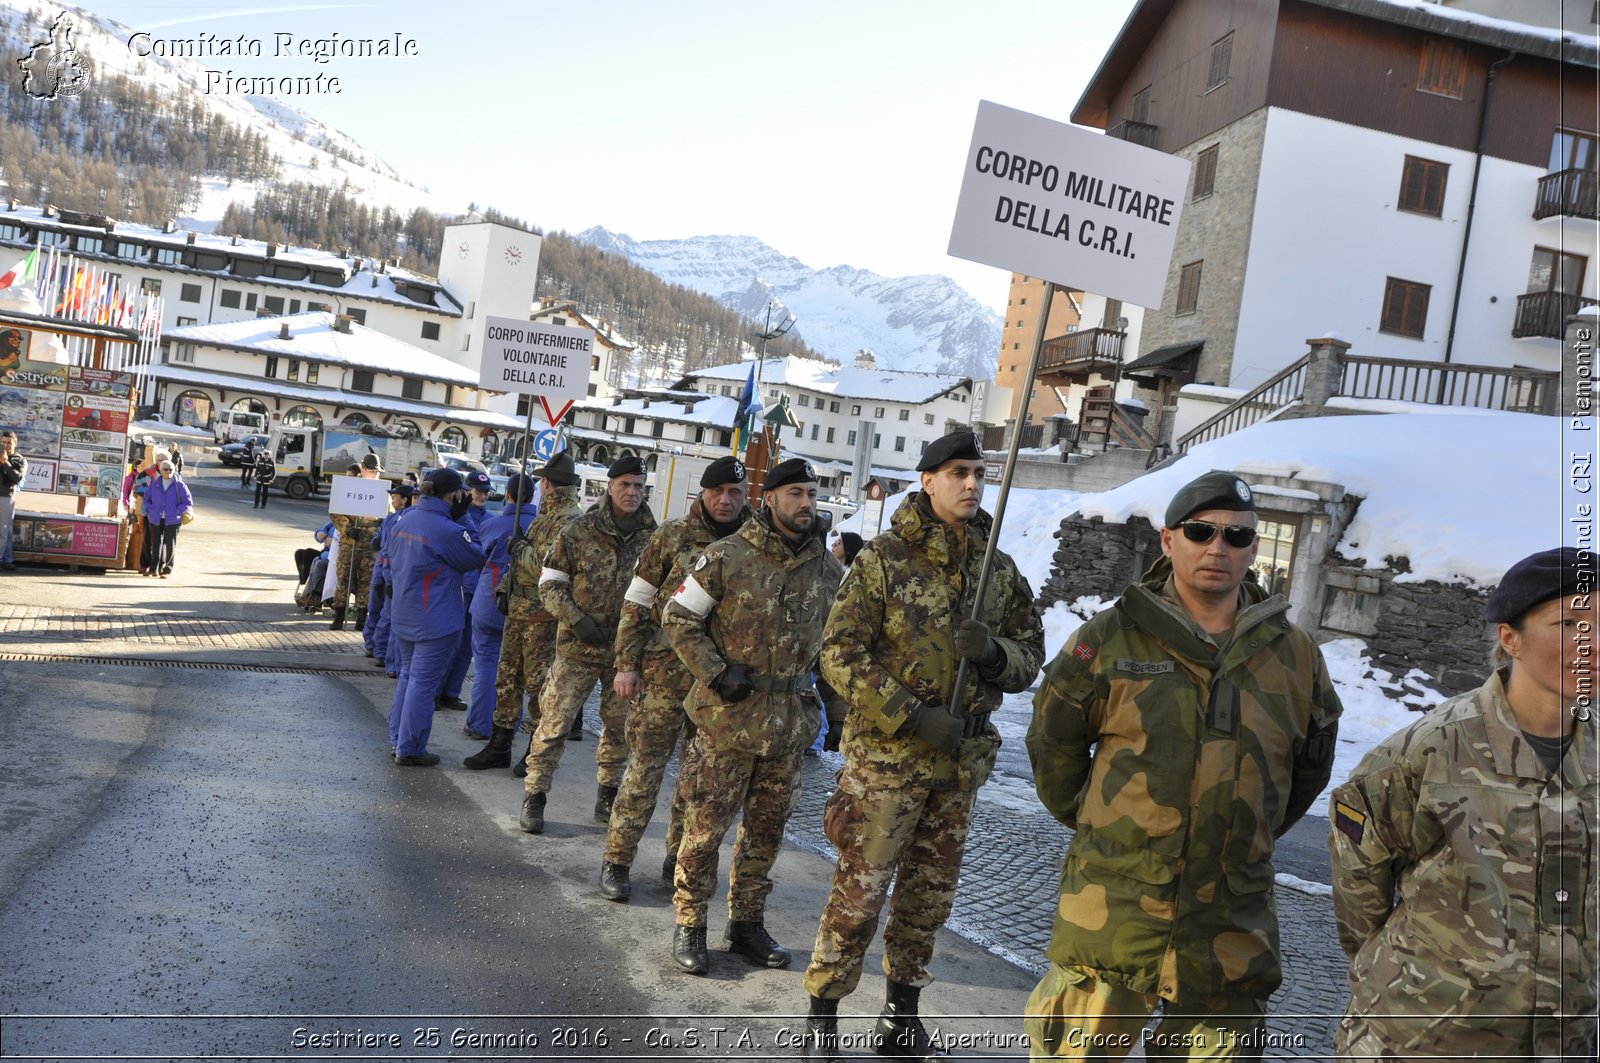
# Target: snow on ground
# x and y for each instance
(1417, 509)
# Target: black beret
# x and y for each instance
(725, 470)
(1536, 579)
(964, 445)
(1214, 490)
(560, 471)
(444, 482)
(627, 465)
(789, 471)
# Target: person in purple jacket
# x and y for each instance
(488, 622)
(428, 553)
(166, 500)
(477, 483)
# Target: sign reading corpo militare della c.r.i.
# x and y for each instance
(1082, 209)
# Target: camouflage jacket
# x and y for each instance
(556, 509)
(890, 646)
(1178, 763)
(751, 600)
(675, 546)
(1464, 884)
(587, 571)
(356, 531)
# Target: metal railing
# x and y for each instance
(1544, 314)
(1570, 193)
(1487, 387)
(1268, 399)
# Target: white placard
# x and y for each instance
(41, 476)
(529, 358)
(357, 496)
(1082, 209)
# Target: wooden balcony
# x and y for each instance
(1568, 193)
(1078, 355)
(1544, 314)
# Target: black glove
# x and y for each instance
(734, 683)
(935, 726)
(973, 643)
(589, 631)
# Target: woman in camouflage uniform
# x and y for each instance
(1464, 848)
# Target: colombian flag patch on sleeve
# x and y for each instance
(1351, 823)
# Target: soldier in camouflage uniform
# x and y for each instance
(903, 622)
(1464, 866)
(584, 577)
(528, 643)
(647, 670)
(747, 620)
(356, 535)
(1179, 734)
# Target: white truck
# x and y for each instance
(308, 458)
(233, 425)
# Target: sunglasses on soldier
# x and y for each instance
(1238, 536)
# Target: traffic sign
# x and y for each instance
(544, 444)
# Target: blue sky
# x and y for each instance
(833, 130)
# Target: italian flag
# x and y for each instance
(23, 269)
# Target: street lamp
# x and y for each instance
(769, 333)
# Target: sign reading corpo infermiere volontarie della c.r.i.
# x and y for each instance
(1079, 208)
(528, 358)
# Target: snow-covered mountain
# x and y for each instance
(926, 323)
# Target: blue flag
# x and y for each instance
(749, 410)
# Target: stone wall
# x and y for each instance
(1096, 558)
(1436, 628)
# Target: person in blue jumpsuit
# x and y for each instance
(477, 484)
(376, 630)
(488, 622)
(428, 553)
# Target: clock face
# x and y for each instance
(463, 249)
(513, 255)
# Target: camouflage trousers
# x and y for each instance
(912, 835)
(654, 723)
(526, 649)
(363, 574)
(566, 687)
(1073, 1015)
(716, 784)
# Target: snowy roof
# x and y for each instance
(251, 385)
(1426, 506)
(716, 410)
(843, 382)
(603, 332)
(354, 276)
(313, 337)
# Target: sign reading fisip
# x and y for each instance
(536, 359)
(356, 496)
(1082, 209)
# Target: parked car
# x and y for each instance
(242, 451)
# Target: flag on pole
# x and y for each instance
(749, 409)
(21, 271)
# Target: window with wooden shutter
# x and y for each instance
(1221, 57)
(1444, 69)
(1405, 308)
(1188, 288)
(1205, 172)
(1422, 184)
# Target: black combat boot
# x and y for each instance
(575, 733)
(361, 618)
(338, 619)
(497, 754)
(899, 1031)
(532, 820)
(749, 938)
(602, 803)
(822, 1031)
(614, 885)
(520, 768)
(689, 949)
